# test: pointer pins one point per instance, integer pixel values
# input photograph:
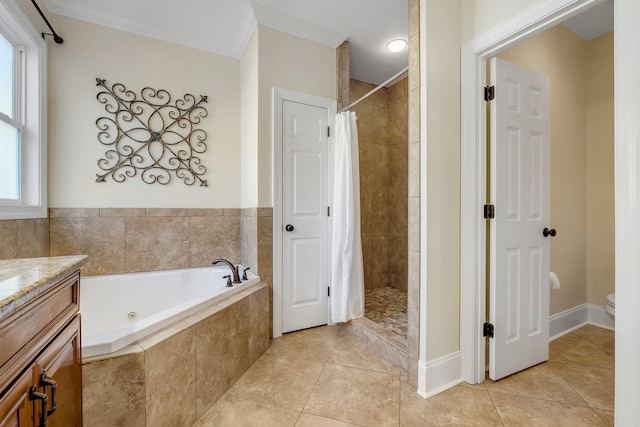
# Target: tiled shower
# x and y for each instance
(383, 147)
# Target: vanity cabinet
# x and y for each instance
(40, 373)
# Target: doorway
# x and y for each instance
(383, 154)
(302, 158)
(473, 261)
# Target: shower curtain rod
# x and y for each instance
(377, 88)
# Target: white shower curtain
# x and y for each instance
(347, 273)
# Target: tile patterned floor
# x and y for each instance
(326, 377)
(388, 308)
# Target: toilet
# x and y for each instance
(610, 306)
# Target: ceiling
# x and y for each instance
(594, 22)
(224, 27)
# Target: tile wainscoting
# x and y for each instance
(125, 240)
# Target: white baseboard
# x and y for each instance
(569, 320)
(598, 317)
(439, 375)
(566, 321)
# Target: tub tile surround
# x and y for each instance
(175, 375)
(123, 400)
(356, 387)
(131, 240)
(24, 238)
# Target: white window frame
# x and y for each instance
(31, 112)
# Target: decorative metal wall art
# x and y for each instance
(148, 134)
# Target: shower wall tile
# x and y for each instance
(342, 65)
(413, 323)
(414, 224)
(398, 216)
(414, 170)
(414, 62)
(102, 239)
(383, 152)
(413, 282)
(414, 17)
(374, 171)
(413, 278)
(380, 280)
(358, 89)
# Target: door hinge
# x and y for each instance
(328, 210)
(328, 131)
(328, 291)
(487, 330)
(489, 211)
(489, 93)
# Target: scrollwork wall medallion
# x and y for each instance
(149, 135)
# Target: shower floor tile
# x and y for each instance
(388, 308)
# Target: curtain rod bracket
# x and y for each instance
(56, 37)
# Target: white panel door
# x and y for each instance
(519, 252)
(304, 213)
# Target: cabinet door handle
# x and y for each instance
(34, 395)
(48, 382)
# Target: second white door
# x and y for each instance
(520, 191)
(305, 225)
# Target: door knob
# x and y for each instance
(549, 232)
(289, 227)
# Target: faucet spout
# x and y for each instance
(233, 268)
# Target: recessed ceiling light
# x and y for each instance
(397, 45)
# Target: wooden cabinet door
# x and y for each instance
(16, 409)
(60, 364)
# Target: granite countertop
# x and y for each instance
(21, 280)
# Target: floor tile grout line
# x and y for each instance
(586, 405)
(495, 408)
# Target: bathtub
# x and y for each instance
(190, 338)
(120, 309)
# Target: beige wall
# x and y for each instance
(600, 170)
(442, 51)
(249, 69)
(561, 55)
(479, 16)
(91, 51)
(292, 63)
(582, 255)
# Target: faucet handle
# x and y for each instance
(228, 277)
(244, 273)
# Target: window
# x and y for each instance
(22, 116)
